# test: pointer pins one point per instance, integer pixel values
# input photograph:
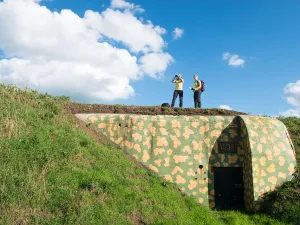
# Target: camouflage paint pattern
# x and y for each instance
(175, 146)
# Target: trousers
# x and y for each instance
(175, 94)
(197, 99)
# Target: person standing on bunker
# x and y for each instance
(197, 91)
(178, 90)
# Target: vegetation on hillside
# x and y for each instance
(284, 203)
(54, 173)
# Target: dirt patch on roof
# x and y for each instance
(77, 108)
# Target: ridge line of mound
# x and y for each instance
(78, 108)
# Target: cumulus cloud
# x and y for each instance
(122, 4)
(62, 53)
(124, 27)
(233, 60)
(225, 107)
(292, 96)
(153, 63)
(177, 33)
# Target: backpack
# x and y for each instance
(202, 86)
(165, 105)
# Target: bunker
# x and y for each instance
(224, 162)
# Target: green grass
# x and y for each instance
(54, 173)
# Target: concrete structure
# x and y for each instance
(223, 161)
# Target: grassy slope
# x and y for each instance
(54, 173)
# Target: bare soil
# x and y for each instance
(77, 108)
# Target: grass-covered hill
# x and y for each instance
(53, 172)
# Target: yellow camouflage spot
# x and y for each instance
(119, 140)
(201, 200)
(168, 178)
(211, 205)
(190, 173)
(212, 192)
(147, 142)
(291, 169)
(159, 151)
(167, 162)
(233, 133)
(163, 131)
(281, 175)
(176, 170)
(281, 146)
(192, 185)
(197, 145)
(259, 148)
(263, 140)
(222, 157)
(175, 141)
(162, 123)
(92, 119)
(180, 180)
(158, 162)
(137, 137)
(194, 193)
(195, 124)
(146, 156)
(153, 168)
(267, 189)
(224, 137)
(270, 138)
(215, 133)
(219, 125)
(255, 180)
(253, 133)
(187, 132)
(272, 180)
(169, 152)
(191, 163)
(162, 141)
(180, 158)
(217, 164)
(261, 182)
(128, 144)
(175, 124)
(271, 168)
(137, 147)
(263, 173)
(177, 132)
(276, 133)
(262, 161)
(226, 164)
(256, 189)
(203, 190)
(204, 129)
(207, 142)
(211, 197)
(187, 149)
(281, 160)
(233, 159)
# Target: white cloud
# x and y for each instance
(292, 95)
(233, 60)
(225, 107)
(291, 112)
(137, 36)
(122, 4)
(62, 53)
(177, 33)
(153, 63)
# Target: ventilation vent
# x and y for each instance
(227, 147)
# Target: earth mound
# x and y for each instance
(77, 108)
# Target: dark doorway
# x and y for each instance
(229, 188)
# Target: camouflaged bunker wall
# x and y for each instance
(176, 146)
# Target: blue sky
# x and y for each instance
(265, 34)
